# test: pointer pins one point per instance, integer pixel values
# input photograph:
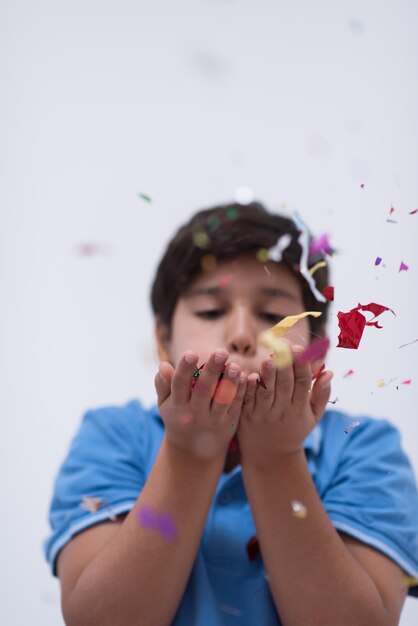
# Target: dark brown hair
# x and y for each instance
(227, 231)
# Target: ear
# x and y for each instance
(162, 339)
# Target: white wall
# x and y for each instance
(302, 101)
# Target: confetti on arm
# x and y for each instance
(299, 509)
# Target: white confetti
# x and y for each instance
(351, 426)
(299, 510)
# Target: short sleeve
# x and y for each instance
(106, 460)
(373, 493)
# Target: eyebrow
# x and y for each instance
(273, 292)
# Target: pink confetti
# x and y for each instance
(378, 260)
(225, 280)
(403, 267)
(348, 373)
(164, 524)
(406, 382)
(362, 185)
(413, 212)
(408, 344)
(316, 350)
(320, 244)
(392, 210)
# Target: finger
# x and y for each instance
(284, 382)
(181, 384)
(209, 378)
(249, 396)
(302, 377)
(227, 389)
(234, 410)
(163, 381)
(265, 395)
(320, 394)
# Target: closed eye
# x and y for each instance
(216, 313)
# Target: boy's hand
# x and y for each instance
(202, 421)
(275, 421)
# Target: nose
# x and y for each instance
(241, 333)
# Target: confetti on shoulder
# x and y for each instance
(145, 197)
(351, 426)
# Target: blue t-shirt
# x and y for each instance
(363, 477)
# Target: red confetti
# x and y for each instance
(352, 324)
(403, 267)
(260, 381)
(316, 350)
(233, 445)
(348, 373)
(318, 371)
(392, 210)
(328, 292)
(406, 382)
(413, 212)
(253, 548)
(225, 280)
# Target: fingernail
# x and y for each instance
(161, 376)
(232, 372)
(269, 365)
(189, 358)
(219, 358)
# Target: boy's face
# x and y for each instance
(229, 307)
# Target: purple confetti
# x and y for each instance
(378, 260)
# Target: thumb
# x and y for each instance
(163, 381)
(320, 394)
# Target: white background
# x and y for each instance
(185, 101)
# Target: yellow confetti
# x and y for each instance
(262, 255)
(409, 581)
(283, 356)
(381, 382)
(201, 239)
(317, 266)
(286, 324)
(208, 263)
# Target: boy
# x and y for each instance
(302, 522)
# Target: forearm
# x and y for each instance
(313, 578)
(125, 583)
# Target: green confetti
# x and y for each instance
(233, 426)
(232, 213)
(145, 197)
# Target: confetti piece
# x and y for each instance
(93, 504)
(318, 371)
(233, 445)
(164, 524)
(409, 581)
(225, 280)
(362, 185)
(352, 324)
(230, 610)
(403, 267)
(267, 271)
(299, 510)
(286, 324)
(378, 260)
(392, 221)
(316, 267)
(303, 241)
(283, 356)
(381, 382)
(408, 344)
(406, 382)
(262, 255)
(349, 373)
(208, 263)
(317, 349)
(90, 249)
(233, 426)
(201, 239)
(350, 427)
(253, 548)
(328, 292)
(320, 245)
(333, 401)
(144, 197)
(244, 195)
(213, 222)
(275, 253)
(413, 212)
(392, 210)
(260, 381)
(232, 213)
